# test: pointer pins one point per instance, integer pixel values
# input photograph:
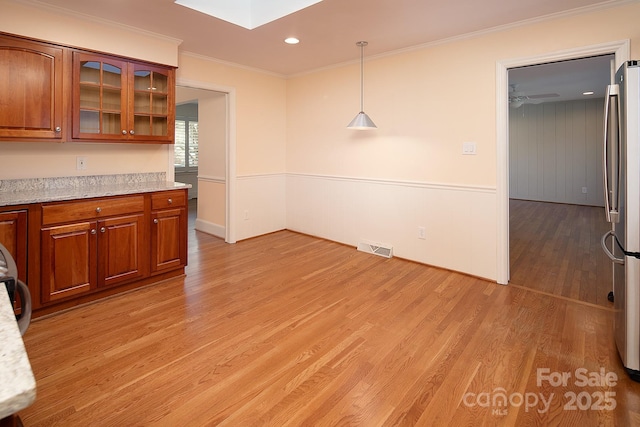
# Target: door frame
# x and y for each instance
(620, 48)
(230, 150)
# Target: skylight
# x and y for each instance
(249, 14)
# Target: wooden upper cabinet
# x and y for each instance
(31, 89)
(99, 97)
(152, 102)
(122, 101)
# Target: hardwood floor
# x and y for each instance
(555, 248)
(290, 330)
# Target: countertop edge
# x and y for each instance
(26, 197)
(17, 383)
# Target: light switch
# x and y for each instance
(468, 148)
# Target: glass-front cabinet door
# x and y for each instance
(122, 101)
(152, 102)
(100, 97)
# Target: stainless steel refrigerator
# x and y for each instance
(622, 208)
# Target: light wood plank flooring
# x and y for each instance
(555, 248)
(290, 330)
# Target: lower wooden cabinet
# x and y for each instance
(88, 246)
(121, 250)
(168, 228)
(69, 257)
(13, 236)
(80, 257)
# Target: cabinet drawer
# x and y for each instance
(90, 209)
(168, 199)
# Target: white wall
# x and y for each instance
(261, 201)
(555, 151)
(458, 220)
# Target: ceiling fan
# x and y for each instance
(517, 99)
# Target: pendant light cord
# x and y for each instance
(362, 44)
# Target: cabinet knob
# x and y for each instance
(58, 129)
(93, 231)
(102, 229)
(132, 132)
(170, 201)
(124, 132)
(98, 209)
(155, 221)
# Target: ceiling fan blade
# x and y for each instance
(543, 95)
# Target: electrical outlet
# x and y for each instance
(81, 163)
(584, 190)
(246, 215)
(422, 233)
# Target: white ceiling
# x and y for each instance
(567, 79)
(327, 30)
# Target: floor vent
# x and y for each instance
(376, 249)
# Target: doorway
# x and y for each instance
(213, 155)
(621, 51)
(555, 178)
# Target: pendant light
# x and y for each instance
(362, 121)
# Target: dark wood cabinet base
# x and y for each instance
(11, 421)
(104, 293)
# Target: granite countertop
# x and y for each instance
(41, 190)
(17, 384)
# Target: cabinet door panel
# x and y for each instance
(121, 250)
(13, 236)
(168, 240)
(151, 102)
(68, 260)
(30, 89)
(99, 97)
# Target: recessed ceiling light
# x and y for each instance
(588, 93)
(291, 40)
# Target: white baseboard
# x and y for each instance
(211, 228)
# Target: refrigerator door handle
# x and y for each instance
(603, 243)
(610, 188)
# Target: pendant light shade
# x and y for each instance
(362, 121)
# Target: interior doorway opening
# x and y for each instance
(555, 178)
(205, 160)
(620, 49)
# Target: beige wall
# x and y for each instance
(427, 102)
(383, 185)
(260, 111)
(52, 24)
(46, 160)
(257, 142)
(29, 160)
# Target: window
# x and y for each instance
(186, 144)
